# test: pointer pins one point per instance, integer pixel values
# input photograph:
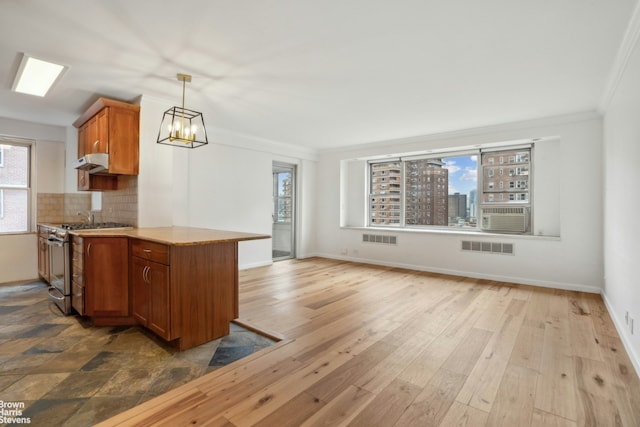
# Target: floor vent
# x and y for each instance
(488, 247)
(380, 238)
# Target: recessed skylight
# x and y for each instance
(35, 76)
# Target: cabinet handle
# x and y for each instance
(145, 273)
(89, 249)
(95, 144)
(148, 251)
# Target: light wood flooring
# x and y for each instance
(375, 346)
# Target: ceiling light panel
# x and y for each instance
(36, 77)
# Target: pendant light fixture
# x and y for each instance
(182, 127)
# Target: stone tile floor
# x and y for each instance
(68, 373)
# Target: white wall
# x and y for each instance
(223, 185)
(50, 159)
(19, 252)
(622, 203)
(157, 184)
(571, 261)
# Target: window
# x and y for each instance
(466, 185)
(284, 195)
(15, 181)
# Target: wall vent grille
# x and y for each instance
(487, 247)
(380, 238)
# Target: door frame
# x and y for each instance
(278, 166)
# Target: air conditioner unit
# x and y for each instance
(505, 219)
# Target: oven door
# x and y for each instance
(60, 289)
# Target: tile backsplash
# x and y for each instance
(76, 207)
(50, 208)
(120, 205)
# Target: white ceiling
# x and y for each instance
(320, 73)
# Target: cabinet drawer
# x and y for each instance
(150, 250)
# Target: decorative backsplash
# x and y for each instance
(50, 208)
(117, 206)
(74, 203)
(121, 205)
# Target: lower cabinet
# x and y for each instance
(151, 296)
(77, 275)
(43, 258)
(100, 279)
(184, 293)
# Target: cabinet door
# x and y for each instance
(92, 140)
(82, 140)
(159, 305)
(77, 275)
(124, 142)
(43, 259)
(106, 274)
(139, 291)
(102, 132)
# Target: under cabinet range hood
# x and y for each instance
(94, 162)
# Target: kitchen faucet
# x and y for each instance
(88, 215)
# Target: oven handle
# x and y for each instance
(51, 290)
(54, 242)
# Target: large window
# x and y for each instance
(15, 162)
(477, 190)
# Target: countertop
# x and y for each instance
(176, 236)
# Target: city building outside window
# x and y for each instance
(15, 186)
(465, 195)
(284, 196)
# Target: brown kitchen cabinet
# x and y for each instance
(89, 182)
(151, 302)
(43, 254)
(100, 279)
(186, 293)
(110, 127)
(77, 275)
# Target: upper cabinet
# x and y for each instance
(110, 128)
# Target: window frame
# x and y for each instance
(30, 211)
(517, 196)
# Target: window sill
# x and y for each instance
(17, 233)
(452, 231)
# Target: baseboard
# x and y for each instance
(21, 282)
(473, 274)
(622, 332)
(248, 266)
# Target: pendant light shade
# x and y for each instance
(181, 126)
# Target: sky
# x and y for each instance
(463, 173)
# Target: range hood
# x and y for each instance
(94, 162)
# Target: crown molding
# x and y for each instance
(629, 42)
